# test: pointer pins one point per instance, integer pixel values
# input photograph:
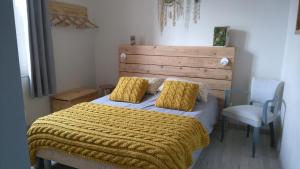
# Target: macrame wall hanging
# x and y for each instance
(175, 9)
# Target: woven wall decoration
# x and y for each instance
(175, 9)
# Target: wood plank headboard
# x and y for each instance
(194, 63)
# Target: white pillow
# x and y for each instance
(203, 92)
(153, 84)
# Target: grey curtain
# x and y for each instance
(42, 69)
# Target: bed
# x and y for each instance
(193, 63)
(205, 113)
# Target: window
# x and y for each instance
(21, 21)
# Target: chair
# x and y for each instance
(263, 108)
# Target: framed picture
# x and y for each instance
(298, 21)
(221, 36)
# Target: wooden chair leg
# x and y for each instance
(272, 134)
(223, 128)
(255, 140)
(248, 131)
(47, 164)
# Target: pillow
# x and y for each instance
(130, 89)
(178, 95)
(153, 84)
(203, 91)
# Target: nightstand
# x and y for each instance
(106, 89)
(69, 98)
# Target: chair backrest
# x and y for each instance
(279, 97)
(263, 90)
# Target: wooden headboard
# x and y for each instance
(194, 63)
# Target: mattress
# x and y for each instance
(204, 112)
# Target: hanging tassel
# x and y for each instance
(188, 11)
(174, 15)
(196, 11)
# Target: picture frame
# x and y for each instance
(298, 21)
(221, 37)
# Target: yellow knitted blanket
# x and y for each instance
(128, 138)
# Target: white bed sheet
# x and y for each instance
(206, 113)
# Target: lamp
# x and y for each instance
(224, 61)
(123, 56)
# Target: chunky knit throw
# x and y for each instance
(128, 138)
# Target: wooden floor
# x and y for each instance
(234, 153)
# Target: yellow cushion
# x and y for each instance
(130, 89)
(178, 95)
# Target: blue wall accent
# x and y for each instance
(13, 145)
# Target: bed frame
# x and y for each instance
(194, 63)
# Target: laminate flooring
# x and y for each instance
(235, 152)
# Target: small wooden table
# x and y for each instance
(69, 98)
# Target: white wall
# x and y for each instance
(34, 107)
(74, 58)
(290, 150)
(118, 19)
(258, 32)
(74, 53)
(74, 64)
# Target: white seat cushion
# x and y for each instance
(248, 114)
